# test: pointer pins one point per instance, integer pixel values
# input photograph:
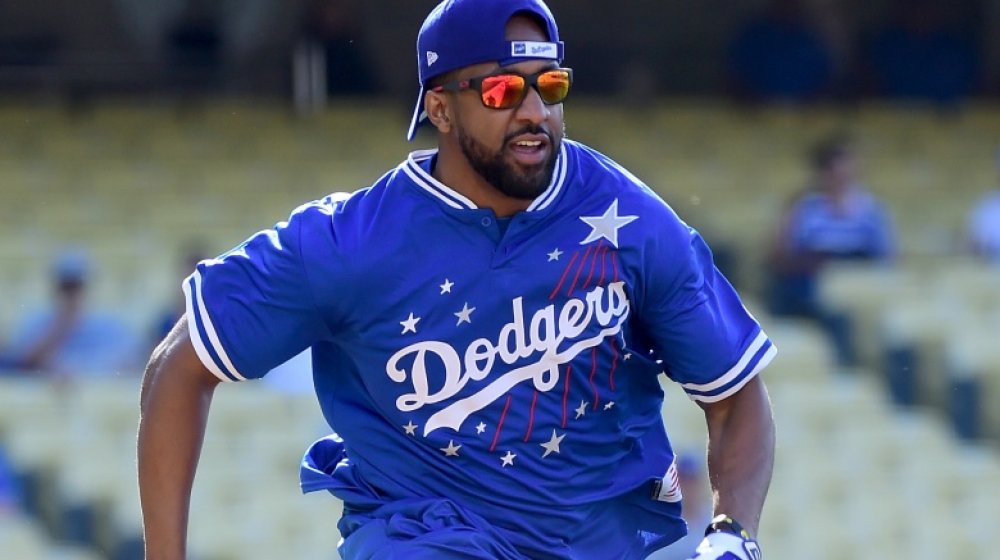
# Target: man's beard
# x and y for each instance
(513, 180)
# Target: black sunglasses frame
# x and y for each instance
(530, 81)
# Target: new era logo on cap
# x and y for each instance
(432, 57)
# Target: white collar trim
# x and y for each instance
(454, 199)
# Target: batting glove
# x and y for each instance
(725, 539)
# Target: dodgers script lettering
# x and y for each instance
(551, 336)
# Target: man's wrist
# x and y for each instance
(726, 538)
(723, 523)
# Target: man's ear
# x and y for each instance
(438, 109)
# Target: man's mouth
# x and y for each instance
(530, 149)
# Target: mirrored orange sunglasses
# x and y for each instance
(507, 89)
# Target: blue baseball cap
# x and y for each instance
(72, 265)
(460, 33)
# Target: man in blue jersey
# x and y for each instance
(487, 322)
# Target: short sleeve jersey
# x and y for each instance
(513, 370)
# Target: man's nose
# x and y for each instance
(532, 108)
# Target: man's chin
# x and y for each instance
(523, 190)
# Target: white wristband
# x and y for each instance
(715, 545)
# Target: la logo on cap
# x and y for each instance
(432, 57)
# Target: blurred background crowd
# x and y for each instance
(842, 158)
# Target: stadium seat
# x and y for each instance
(136, 182)
(863, 290)
(23, 540)
(973, 356)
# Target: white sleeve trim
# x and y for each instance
(195, 304)
(764, 360)
(734, 371)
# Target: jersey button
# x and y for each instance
(486, 222)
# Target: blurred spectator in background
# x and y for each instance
(696, 507)
(68, 339)
(292, 377)
(835, 219)
(781, 55)
(984, 223)
(923, 53)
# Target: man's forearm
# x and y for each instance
(174, 410)
(741, 453)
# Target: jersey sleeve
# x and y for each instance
(708, 341)
(253, 308)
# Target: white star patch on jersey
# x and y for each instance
(410, 324)
(609, 405)
(452, 449)
(555, 254)
(464, 316)
(411, 428)
(481, 427)
(446, 287)
(607, 225)
(508, 459)
(582, 409)
(552, 446)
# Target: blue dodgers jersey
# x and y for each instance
(511, 370)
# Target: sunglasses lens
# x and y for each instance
(503, 91)
(553, 86)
